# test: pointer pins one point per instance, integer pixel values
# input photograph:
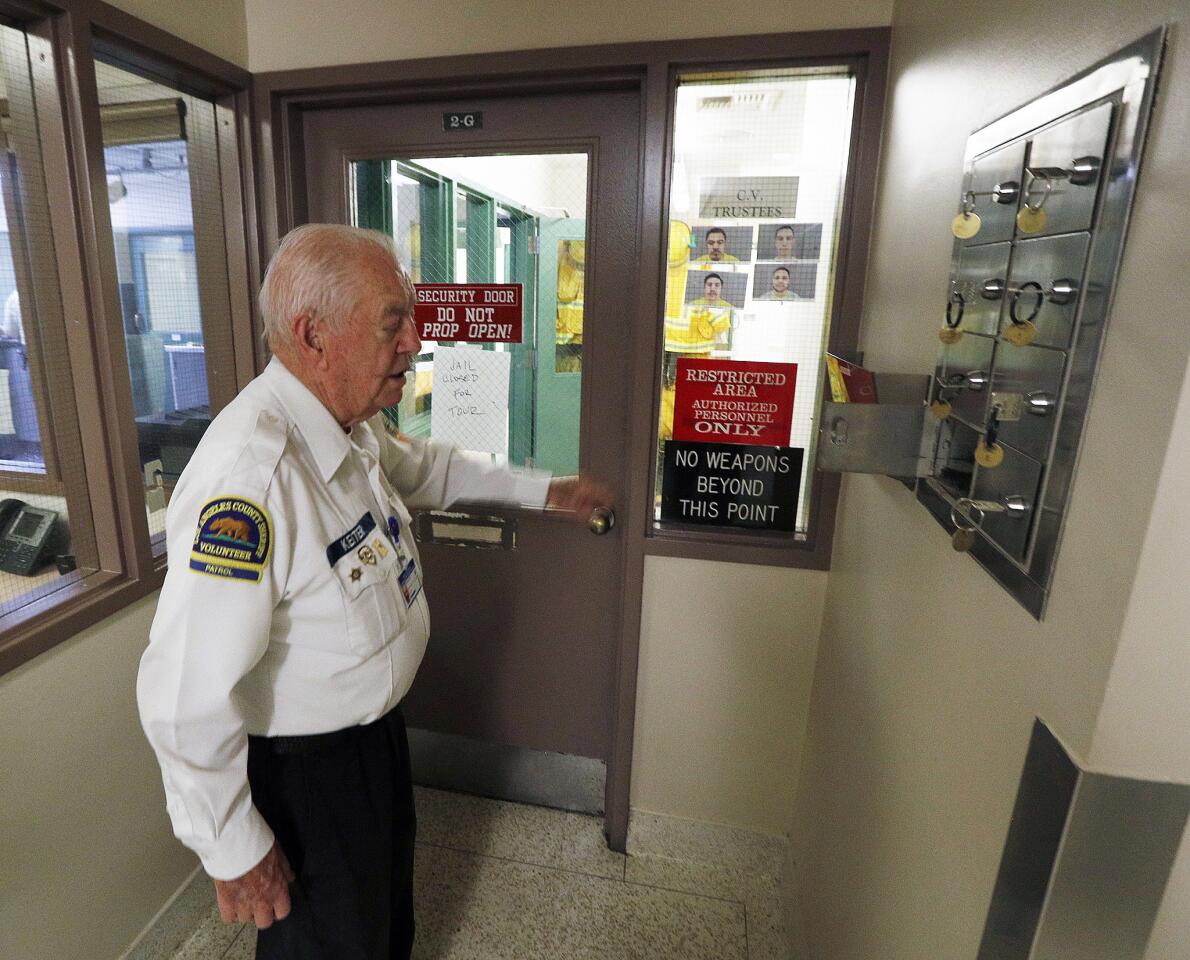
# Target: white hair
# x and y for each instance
(315, 272)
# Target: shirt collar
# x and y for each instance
(328, 441)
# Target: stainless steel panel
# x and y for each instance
(1043, 801)
(1086, 862)
(562, 781)
(1018, 476)
(965, 377)
(998, 168)
(1033, 377)
(1055, 265)
(1071, 205)
(1120, 843)
(979, 287)
(1103, 112)
(882, 438)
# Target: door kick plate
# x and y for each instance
(465, 530)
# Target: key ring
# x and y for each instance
(957, 516)
(1032, 286)
(953, 319)
(1047, 188)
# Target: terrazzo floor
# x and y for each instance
(505, 880)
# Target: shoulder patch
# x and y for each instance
(233, 541)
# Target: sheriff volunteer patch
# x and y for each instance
(233, 539)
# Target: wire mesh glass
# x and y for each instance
(509, 218)
(161, 156)
(760, 160)
(47, 538)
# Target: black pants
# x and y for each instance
(341, 806)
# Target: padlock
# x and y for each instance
(1021, 334)
(989, 455)
(963, 539)
(966, 225)
(1030, 219)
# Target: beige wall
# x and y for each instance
(284, 34)
(1144, 725)
(86, 852)
(219, 26)
(727, 655)
(929, 675)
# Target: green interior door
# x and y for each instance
(560, 285)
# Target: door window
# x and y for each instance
(510, 218)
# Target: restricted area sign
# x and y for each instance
(470, 312)
(734, 401)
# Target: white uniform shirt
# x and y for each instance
(292, 602)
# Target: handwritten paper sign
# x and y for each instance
(470, 405)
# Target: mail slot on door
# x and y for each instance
(993, 191)
(964, 377)
(978, 288)
(1025, 389)
(1064, 172)
(1016, 480)
(1044, 287)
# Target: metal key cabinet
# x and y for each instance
(1039, 234)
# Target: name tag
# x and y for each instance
(351, 540)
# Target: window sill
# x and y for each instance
(58, 614)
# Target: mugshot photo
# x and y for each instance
(784, 281)
(714, 289)
(790, 241)
(722, 244)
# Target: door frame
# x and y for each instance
(281, 98)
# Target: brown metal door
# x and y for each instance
(525, 641)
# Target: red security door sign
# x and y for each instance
(734, 401)
(469, 312)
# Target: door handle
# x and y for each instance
(602, 519)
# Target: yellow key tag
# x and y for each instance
(988, 457)
(950, 334)
(941, 409)
(966, 225)
(1021, 334)
(963, 539)
(1031, 219)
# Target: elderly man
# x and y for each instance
(292, 620)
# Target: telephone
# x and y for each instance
(29, 536)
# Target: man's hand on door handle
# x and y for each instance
(578, 496)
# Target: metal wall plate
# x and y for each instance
(1080, 147)
(449, 762)
(465, 530)
(1086, 861)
